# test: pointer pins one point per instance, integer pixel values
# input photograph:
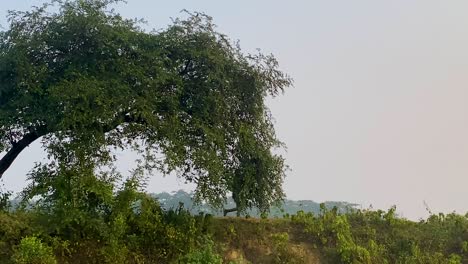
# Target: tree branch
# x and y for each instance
(17, 147)
(186, 69)
(226, 211)
(20, 145)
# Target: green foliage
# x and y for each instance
(94, 219)
(87, 81)
(333, 232)
(382, 237)
(5, 202)
(204, 255)
(131, 227)
(32, 251)
(13, 226)
(282, 252)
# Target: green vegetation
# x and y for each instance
(381, 237)
(123, 225)
(94, 222)
(86, 81)
(205, 254)
(32, 251)
(362, 236)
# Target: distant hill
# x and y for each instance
(174, 199)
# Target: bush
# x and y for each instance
(5, 203)
(282, 253)
(13, 226)
(366, 236)
(32, 251)
(204, 255)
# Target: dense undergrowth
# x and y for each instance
(381, 237)
(103, 225)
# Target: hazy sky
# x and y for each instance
(379, 111)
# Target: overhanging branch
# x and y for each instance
(226, 211)
(16, 149)
(20, 145)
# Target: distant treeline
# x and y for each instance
(181, 198)
(288, 207)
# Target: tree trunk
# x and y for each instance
(16, 149)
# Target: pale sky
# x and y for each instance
(379, 111)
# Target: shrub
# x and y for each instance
(5, 203)
(204, 255)
(13, 226)
(32, 251)
(282, 253)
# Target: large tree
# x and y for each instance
(84, 80)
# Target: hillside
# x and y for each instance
(359, 237)
(133, 228)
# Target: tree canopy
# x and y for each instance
(84, 81)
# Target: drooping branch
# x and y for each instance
(20, 145)
(17, 148)
(226, 211)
